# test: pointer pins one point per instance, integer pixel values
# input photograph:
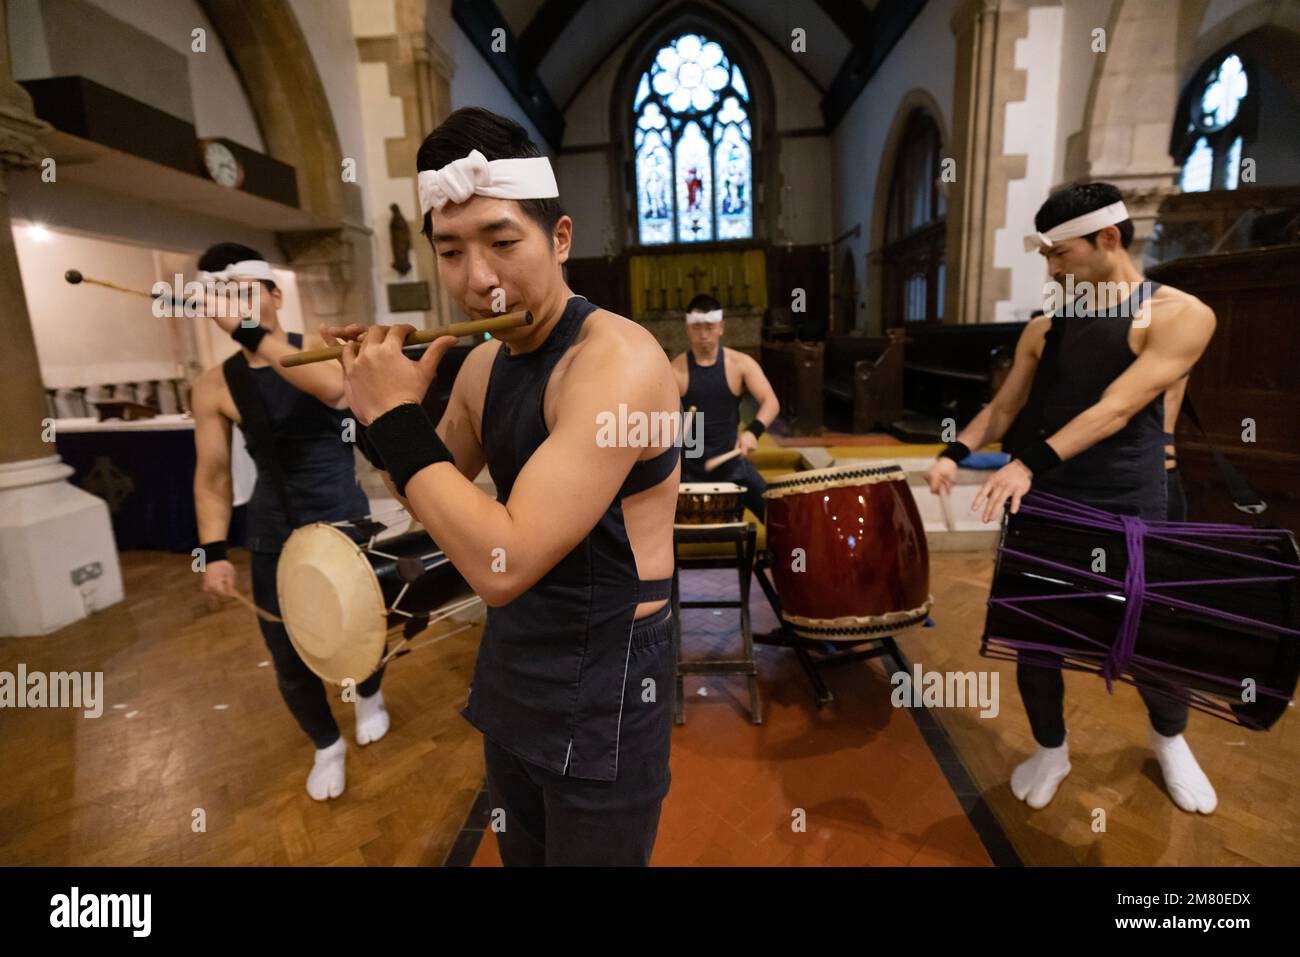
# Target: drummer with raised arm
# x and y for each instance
(294, 421)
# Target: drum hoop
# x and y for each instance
(309, 658)
(817, 480)
(710, 488)
(863, 622)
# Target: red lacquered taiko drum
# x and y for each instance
(849, 555)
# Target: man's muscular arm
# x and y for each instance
(755, 382)
(213, 485)
(995, 418)
(324, 380)
(562, 491)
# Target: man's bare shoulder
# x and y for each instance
(742, 360)
(609, 330)
(1169, 300)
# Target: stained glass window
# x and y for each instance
(692, 140)
(1212, 145)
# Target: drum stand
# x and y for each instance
(744, 536)
(829, 654)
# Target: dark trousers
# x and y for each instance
(301, 689)
(739, 471)
(1043, 690)
(557, 820)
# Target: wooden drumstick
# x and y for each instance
(717, 460)
(74, 277)
(260, 612)
(946, 506)
(510, 320)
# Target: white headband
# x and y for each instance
(1083, 225)
(697, 316)
(246, 269)
(527, 178)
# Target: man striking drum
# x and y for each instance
(1094, 390)
(293, 420)
(574, 682)
(712, 378)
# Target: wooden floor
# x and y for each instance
(1256, 775)
(193, 721)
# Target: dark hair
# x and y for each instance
(496, 137)
(703, 302)
(1077, 199)
(218, 257)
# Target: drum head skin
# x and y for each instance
(331, 603)
(701, 504)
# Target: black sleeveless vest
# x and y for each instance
(1082, 356)
(717, 411)
(307, 451)
(552, 665)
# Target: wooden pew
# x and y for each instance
(795, 371)
(951, 371)
(1247, 375)
(866, 372)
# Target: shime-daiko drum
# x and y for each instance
(849, 555)
(341, 590)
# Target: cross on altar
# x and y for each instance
(696, 275)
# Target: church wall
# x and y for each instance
(474, 84)
(1029, 132)
(102, 40)
(923, 59)
(1078, 61)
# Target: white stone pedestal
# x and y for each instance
(58, 560)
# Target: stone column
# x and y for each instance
(1130, 111)
(58, 560)
(986, 80)
(419, 65)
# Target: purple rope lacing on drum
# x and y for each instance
(1113, 659)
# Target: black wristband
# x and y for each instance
(757, 428)
(250, 337)
(368, 448)
(955, 451)
(407, 442)
(214, 551)
(1039, 457)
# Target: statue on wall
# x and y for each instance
(399, 235)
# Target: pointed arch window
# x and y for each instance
(915, 227)
(692, 145)
(1214, 117)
